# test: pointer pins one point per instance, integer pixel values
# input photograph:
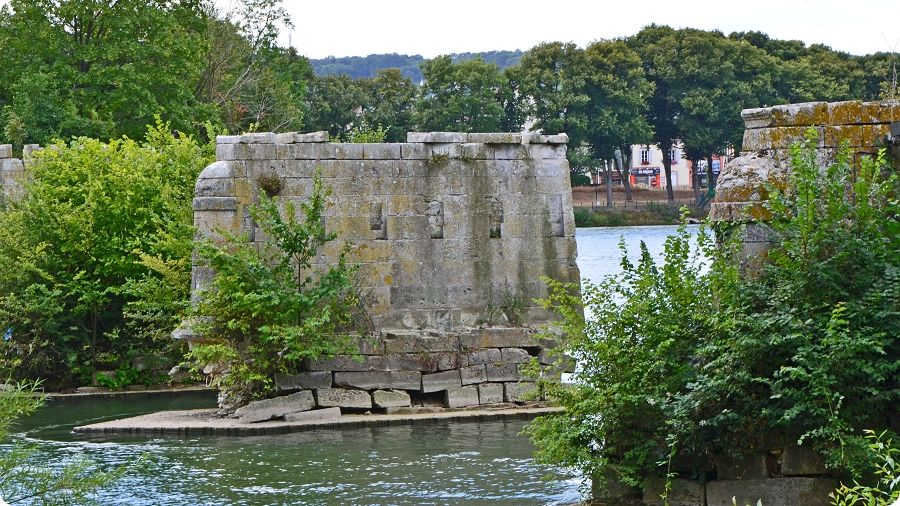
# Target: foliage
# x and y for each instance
(460, 97)
(363, 67)
(259, 316)
(95, 256)
(710, 353)
(22, 481)
(887, 470)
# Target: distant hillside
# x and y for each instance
(367, 66)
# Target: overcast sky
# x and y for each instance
(361, 27)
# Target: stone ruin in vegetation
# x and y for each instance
(452, 233)
(742, 187)
(784, 473)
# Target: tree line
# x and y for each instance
(107, 69)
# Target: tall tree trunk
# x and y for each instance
(695, 179)
(608, 180)
(623, 163)
(666, 148)
(710, 182)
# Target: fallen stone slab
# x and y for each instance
(343, 398)
(390, 399)
(314, 415)
(276, 407)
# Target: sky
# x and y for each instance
(362, 27)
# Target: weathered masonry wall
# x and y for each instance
(11, 171)
(450, 230)
(770, 132)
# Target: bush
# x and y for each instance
(714, 360)
(258, 317)
(95, 255)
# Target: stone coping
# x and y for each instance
(411, 137)
(203, 422)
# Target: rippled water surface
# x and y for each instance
(440, 463)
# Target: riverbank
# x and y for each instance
(197, 422)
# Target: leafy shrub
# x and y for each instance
(258, 316)
(718, 359)
(95, 255)
(887, 471)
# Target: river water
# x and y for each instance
(443, 463)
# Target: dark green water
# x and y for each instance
(442, 463)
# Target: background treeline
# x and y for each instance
(106, 69)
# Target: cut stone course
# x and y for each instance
(502, 371)
(518, 392)
(772, 492)
(461, 397)
(681, 493)
(343, 398)
(487, 356)
(369, 380)
(303, 380)
(473, 374)
(490, 393)
(441, 381)
(514, 355)
(277, 407)
(390, 399)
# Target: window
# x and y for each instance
(645, 155)
(673, 155)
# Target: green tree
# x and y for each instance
(389, 104)
(95, 223)
(334, 103)
(106, 67)
(616, 112)
(263, 314)
(460, 97)
(657, 47)
(679, 360)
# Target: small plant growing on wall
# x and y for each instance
(270, 184)
(264, 313)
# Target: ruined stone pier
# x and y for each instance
(452, 233)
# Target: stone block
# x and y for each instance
(6, 151)
(473, 374)
(395, 342)
(499, 337)
(461, 397)
(441, 381)
(486, 356)
(495, 138)
(514, 355)
(227, 139)
(502, 371)
(302, 380)
(608, 489)
(370, 380)
(276, 407)
(381, 151)
(417, 137)
(801, 461)
(343, 398)
(490, 393)
(414, 151)
(390, 399)
(519, 392)
(258, 138)
(772, 492)
(750, 466)
(558, 139)
(682, 493)
(312, 137)
(316, 415)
